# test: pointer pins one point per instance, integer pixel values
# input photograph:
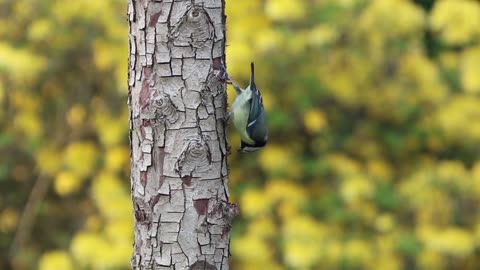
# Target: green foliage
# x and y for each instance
(372, 161)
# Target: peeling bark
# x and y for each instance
(177, 102)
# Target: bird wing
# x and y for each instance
(256, 120)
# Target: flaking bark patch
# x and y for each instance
(143, 178)
(201, 206)
(154, 19)
(202, 265)
(187, 180)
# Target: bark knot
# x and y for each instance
(195, 28)
(160, 107)
(195, 157)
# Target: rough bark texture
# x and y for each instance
(177, 103)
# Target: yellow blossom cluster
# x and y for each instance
(373, 134)
(65, 134)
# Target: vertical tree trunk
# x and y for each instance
(177, 104)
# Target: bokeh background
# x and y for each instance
(373, 160)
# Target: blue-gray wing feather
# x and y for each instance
(257, 122)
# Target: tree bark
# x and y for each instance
(177, 101)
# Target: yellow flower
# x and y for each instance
(117, 158)
(286, 210)
(457, 242)
(452, 241)
(114, 257)
(275, 158)
(457, 21)
(55, 260)
(296, 44)
(315, 121)
(270, 265)
(300, 256)
(384, 223)
(28, 124)
(453, 173)
(343, 3)
(333, 252)
(238, 59)
(20, 64)
(449, 60)
(268, 39)
(321, 34)
(8, 219)
(40, 29)
(337, 74)
(262, 227)
(2, 92)
(380, 169)
(24, 101)
(278, 189)
(389, 262)
(252, 249)
(66, 182)
(111, 131)
(254, 203)
(86, 247)
(476, 178)
(429, 259)
(458, 118)
(477, 234)
(470, 68)
(288, 196)
(103, 55)
(358, 252)
(423, 76)
(408, 18)
(344, 165)
(85, 9)
(110, 197)
(81, 158)
(122, 227)
(303, 241)
(356, 188)
(76, 115)
(238, 9)
(48, 160)
(285, 10)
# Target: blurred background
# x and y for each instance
(373, 160)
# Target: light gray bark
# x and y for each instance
(177, 104)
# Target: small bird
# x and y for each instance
(249, 116)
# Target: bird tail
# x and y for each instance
(252, 74)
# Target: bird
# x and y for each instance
(248, 115)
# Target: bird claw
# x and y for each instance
(222, 75)
(235, 86)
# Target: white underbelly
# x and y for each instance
(240, 119)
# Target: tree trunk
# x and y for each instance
(177, 102)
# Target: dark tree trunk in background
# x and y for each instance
(177, 104)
